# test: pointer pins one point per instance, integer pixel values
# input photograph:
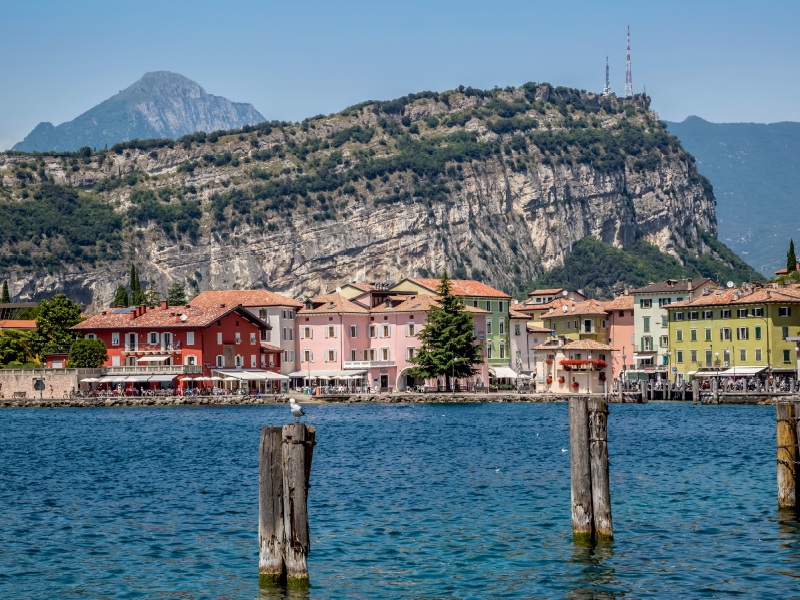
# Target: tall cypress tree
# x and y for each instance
(137, 297)
(6, 299)
(121, 297)
(791, 259)
(448, 345)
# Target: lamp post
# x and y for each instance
(589, 376)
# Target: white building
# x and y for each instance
(524, 336)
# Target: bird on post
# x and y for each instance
(297, 410)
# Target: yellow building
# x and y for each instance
(587, 320)
(735, 333)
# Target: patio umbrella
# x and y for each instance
(90, 380)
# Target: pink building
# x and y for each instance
(621, 332)
(372, 337)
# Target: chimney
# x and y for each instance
(768, 295)
(144, 309)
(164, 305)
(177, 318)
(133, 313)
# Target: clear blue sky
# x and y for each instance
(724, 61)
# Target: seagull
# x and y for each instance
(563, 449)
(297, 410)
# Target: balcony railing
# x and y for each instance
(154, 370)
(367, 364)
(176, 347)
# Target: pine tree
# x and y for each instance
(152, 297)
(6, 299)
(121, 297)
(791, 259)
(448, 345)
(176, 295)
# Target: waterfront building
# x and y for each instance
(491, 327)
(157, 345)
(524, 337)
(573, 366)
(650, 357)
(275, 309)
(538, 297)
(736, 332)
(621, 333)
(17, 324)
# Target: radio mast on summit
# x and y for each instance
(628, 79)
(607, 89)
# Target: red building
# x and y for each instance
(157, 345)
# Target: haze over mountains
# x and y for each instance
(755, 171)
(159, 105)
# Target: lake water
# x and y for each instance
(406, 502)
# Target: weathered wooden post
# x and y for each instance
(271, 568)
(683, 390)
(695, 390)
(619, 390)
(298, 441)
(715, 390)
(580, 471)
(598, 458)
(787, 454)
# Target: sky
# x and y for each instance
(723, 61)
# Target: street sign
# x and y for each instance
(674, 369)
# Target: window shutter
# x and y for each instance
(407, 350)
(335, 331)
(335, 356)
(789, 312)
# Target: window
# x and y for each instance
(725, 314)
(266, 335)
(354, 332)
(306, 333)
(475, 303)
(190, 338)
(708, 334)
(784, 333)
(252, 339)
(787, 356)
(588, 326)
(500, 306)
(369, 354)
(115, 361)
(330, 356)
(664, 321)
(330, 331)
(152, 337)
(488, 326)
(501, 326)
(693, 335)
(707, 314)
(372, 331)
(679, 356)
(489, 350)
(191, 360)
(664, 301)
(758, 312)
(220, 360)
(758, 354)
(693, 356)
(502, 350)
(741, 313)
(645, 303)
(131, 341)
(693, 314)
(385, 354)
(709, 358)
(411, 330)
(272, 359)
(516, 328)
(569, 325)
(254, 362)
(288, 333)
(219, 337)
(742, 355)
(238, 360)
(725, 333)
(757, 331)
(262, 313)
(741, 333)
(622, 313)
(115, 339)
(784, 311)
(307, 356)
(604, 324)
(664, 341)
(679, 335)
(647, 324)
(238, 337)
(726, 357)
(411, 353)
(679, 316)
(489, 305)
(647, 344)
(386, 331)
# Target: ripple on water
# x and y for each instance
(161, 503)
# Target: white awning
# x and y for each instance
(137, 378)
(89, 380)
(741, 371)
(327, 374)
(503, 372)
(111, 378)
(158, 378)
(152, 358)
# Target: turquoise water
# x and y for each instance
(406, 502)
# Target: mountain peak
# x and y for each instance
(160, 104)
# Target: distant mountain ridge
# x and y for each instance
(159, 105)
(755, 171)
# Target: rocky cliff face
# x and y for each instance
(159, 105)
(504, 214)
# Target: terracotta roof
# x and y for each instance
(673, 285)
(537, 329)
(418, 303)
(727, 296)
(516, 314)
(545, 292)
(621, 302)
(270, 348)
(367, 287)
(784, 271)
(196, 316)
(247, 298)
(588, 307)
(587, 345)
(17, 324)
(463, 287)
(332, 303)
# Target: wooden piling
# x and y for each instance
(580, 471)
(298, 441)
(695, 390)
(787, 454)
(598, 457)
(271, 567)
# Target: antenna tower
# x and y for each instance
(607, 89)
(628, 78)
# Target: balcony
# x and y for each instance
(367, 364)
(153, 370)
(173, 348)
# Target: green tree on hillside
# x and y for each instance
(176, 296)
(121, 297)
(6, 298)
(791, 259)
(53, 324)
(448, 345)
(137, 297)
(88, 354)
